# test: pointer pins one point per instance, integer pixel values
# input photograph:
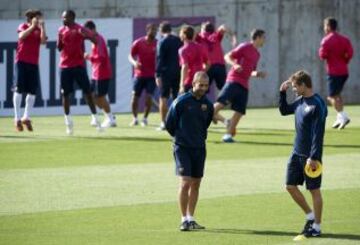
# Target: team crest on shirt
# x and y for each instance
(309, 108)
(204, 107)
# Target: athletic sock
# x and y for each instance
(16, 102)
(29, 104)
(310, 216)
(316, 227)
(67, 119)
(190, 218)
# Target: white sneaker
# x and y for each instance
(69, 128)
(161, 127)
(344, 122)
(144, 122)
(93, 122)
(134, 122)
(336, 123)
(227, 138)
(107, 123)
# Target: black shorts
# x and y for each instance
(296, 176)
(27, 78)
(100, 87)
(141, 83)
(236, 95)
(169, 85)
(217, 73)
(189, 161)
(336, 84)
(69, 75)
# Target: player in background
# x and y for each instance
(167, 68)
(71, 44)
(101, 75)
(211, 38)
(337, 51)
(193, 58)
(310, 116)
(243, 60)
(27, 78)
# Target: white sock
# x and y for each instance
(190, 218)
(109, 116)
(29, 104)
(16, 102)
(183, 219)
(67, 119)
(316, 227)
(310, 216)
(227, 136)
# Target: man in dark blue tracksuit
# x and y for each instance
(310, 115)
(167, 68)
(187, 121)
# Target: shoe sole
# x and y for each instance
(344, 125)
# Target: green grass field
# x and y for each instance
(119, 187)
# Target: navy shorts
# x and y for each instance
(217, 73)
(169, 85)
(27, 78)
(235, 94)
(189, 161)
(336, 84)
(100, 87)
(77, 74)
(141, 83)
(296, 176)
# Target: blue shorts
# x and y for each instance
(217, 73)
(296, 176)
(235, 94)
(100, 87)
(189, 161)
(27, 78)
(77, 74)
(336, 84)
(169, 85)
(141, 83)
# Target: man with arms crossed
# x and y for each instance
(188, 119)
(337, 51)
(101, 75)
(71, 44)
(167, 68)
(243, 60)
(27, 78)
(310, 115)
(142, 57)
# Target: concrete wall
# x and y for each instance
(294, 30)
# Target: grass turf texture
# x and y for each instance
(118, 187)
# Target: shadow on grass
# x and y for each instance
(280, 233)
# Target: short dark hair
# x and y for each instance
(209, 27)
(71, 13)
(149, 26)
(301, 77)
(256, 33)
(90, 25)
(188, 32)
(31, 13)
(331, 22)
(165, 27)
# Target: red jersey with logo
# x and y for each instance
(28, 49)
(144, 52)
(100, 61)
(195, 56)
(71, 40)
(337, 50)
(212, 41)
(247, 56)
